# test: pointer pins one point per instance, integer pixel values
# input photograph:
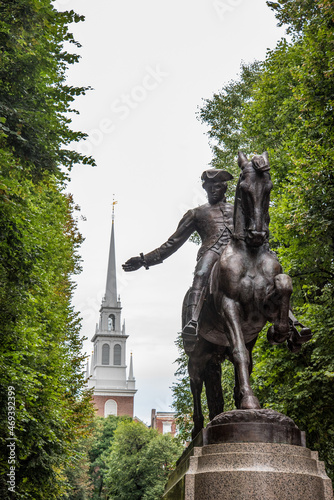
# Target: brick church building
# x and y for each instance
(113, 390)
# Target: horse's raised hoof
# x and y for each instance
(275, 337)
(250, 402)
(297, 339)
(301, 337)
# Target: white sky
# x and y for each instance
(150, 62)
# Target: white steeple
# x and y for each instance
(111, 284)
(108, 361)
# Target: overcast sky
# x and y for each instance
(151, 63)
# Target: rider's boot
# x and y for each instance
(189, 331)
(189, 336)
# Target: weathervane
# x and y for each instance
(113, 207)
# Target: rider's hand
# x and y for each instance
(133, 264)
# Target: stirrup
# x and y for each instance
(189, 336)
(190, 328)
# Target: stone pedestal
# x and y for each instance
(221, 465)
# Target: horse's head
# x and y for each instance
(252, 198)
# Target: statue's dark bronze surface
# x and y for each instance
(214, 223)
(238, 286)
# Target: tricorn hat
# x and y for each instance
(215, 174)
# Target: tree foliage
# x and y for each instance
(99, 450)
(139, 462)
(121, 458)
(284, 105)
(34, 97)
(85, 474)
(40, 348)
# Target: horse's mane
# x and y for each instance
(238, 215)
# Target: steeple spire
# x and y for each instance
(131, 377)
(111, 285)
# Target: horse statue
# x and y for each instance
(247, 288)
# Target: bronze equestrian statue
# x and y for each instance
(214, 223)
(243, 286)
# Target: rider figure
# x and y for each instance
(214, 224)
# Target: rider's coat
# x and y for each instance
(214, 224)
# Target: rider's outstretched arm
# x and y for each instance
(184, 230)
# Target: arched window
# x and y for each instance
(110, 407)
(105, 354)
(117, 354)
(111, 322)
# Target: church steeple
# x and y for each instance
(113, 392)
(111, 285)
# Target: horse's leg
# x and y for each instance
(239, 353)
(213, 388)
(196, 386)
(236, 390)
(237, 395)
(280, 297)
(249, 347)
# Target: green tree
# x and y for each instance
(287, 110)
(139, 462)
(285, 105)
(87, 468)
(302, 215)
(224, 114)
(40, 349)
(34, 98)
(103, 436)
(79, 484)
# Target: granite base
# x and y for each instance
(240, 470)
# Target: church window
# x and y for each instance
(105, 354)
(117, 354)
(110, 408)
(111, 322)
